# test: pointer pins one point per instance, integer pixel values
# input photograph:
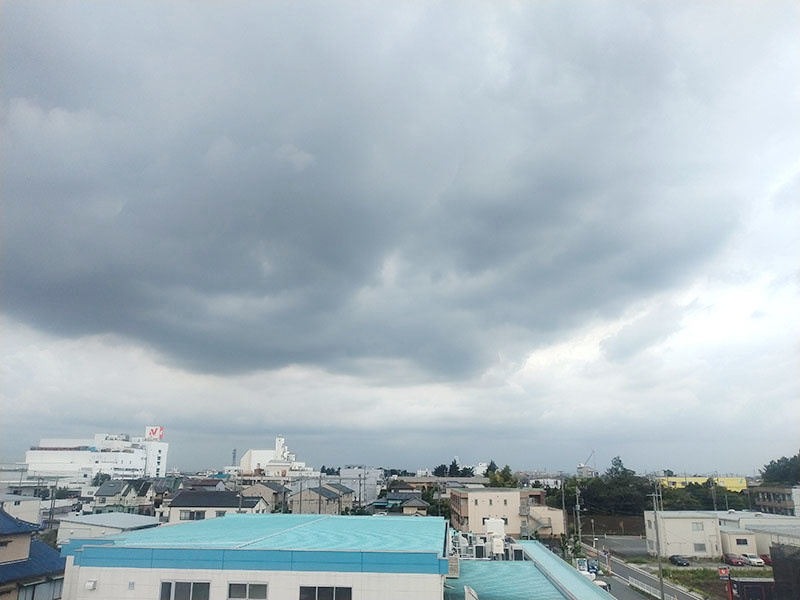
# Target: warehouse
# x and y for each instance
(279, 556)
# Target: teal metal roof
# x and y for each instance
(502, 580)
(297, 532)
(565, 574)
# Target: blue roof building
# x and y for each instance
(291, 556)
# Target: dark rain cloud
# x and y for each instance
(247, 187)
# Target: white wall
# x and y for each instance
(27, 509)
(283, 585)
(729, 545)
(68, 531)
(677, 536)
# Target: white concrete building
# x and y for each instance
(118, 455)
(363, 480)
(710, 534)
(276, 556)
(277, 463)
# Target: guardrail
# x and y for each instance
(648, 589)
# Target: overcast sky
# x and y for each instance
(398, 232)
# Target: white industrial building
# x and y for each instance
(277, 463)
(118, 455)
(710, 534)
(275, 556)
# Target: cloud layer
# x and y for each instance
(395, 197)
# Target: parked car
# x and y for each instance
(734, 560)
(766, 558)
(677, 559)
(753, 560)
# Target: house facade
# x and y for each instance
(523, 510)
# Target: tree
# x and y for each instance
(467, 472)
(440, 470)
(453, 471)
(669, 473)
(618, 469)
(784, 470)
(492, 468)
(100, 478)
(503, 478)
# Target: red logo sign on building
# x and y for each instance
(155, 432)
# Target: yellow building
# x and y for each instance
(733, 484)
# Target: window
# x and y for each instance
(221, 513)
(505, 501)
(47, 590)
(649, 524)
(184, 590)
(490, 501)
(325, 593)
(252, 591)
(741, 542)
(476, 502)
(696, 526)
(193, 515)
(699, 547)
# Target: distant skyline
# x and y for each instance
(395, 233)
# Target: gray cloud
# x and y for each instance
(404, 194)
(230, 199)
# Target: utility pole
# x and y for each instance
(319, 495)
(578, 513)
(594, 545)
(714, 490)
(656, 500)
(564, 504)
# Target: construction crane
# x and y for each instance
(582, 467)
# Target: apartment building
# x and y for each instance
(732, 484)
(523, 510)
(777, 499)
(329, 499)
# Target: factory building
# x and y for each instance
(277, 556)
(118, 455)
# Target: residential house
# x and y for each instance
(125, 495)
(324, 500)
(207, 484)
(274, 494)
(523, 511)
(197, 506)
(29, 568)
(409, 503)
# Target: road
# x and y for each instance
(620, 589)
(625, 571)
